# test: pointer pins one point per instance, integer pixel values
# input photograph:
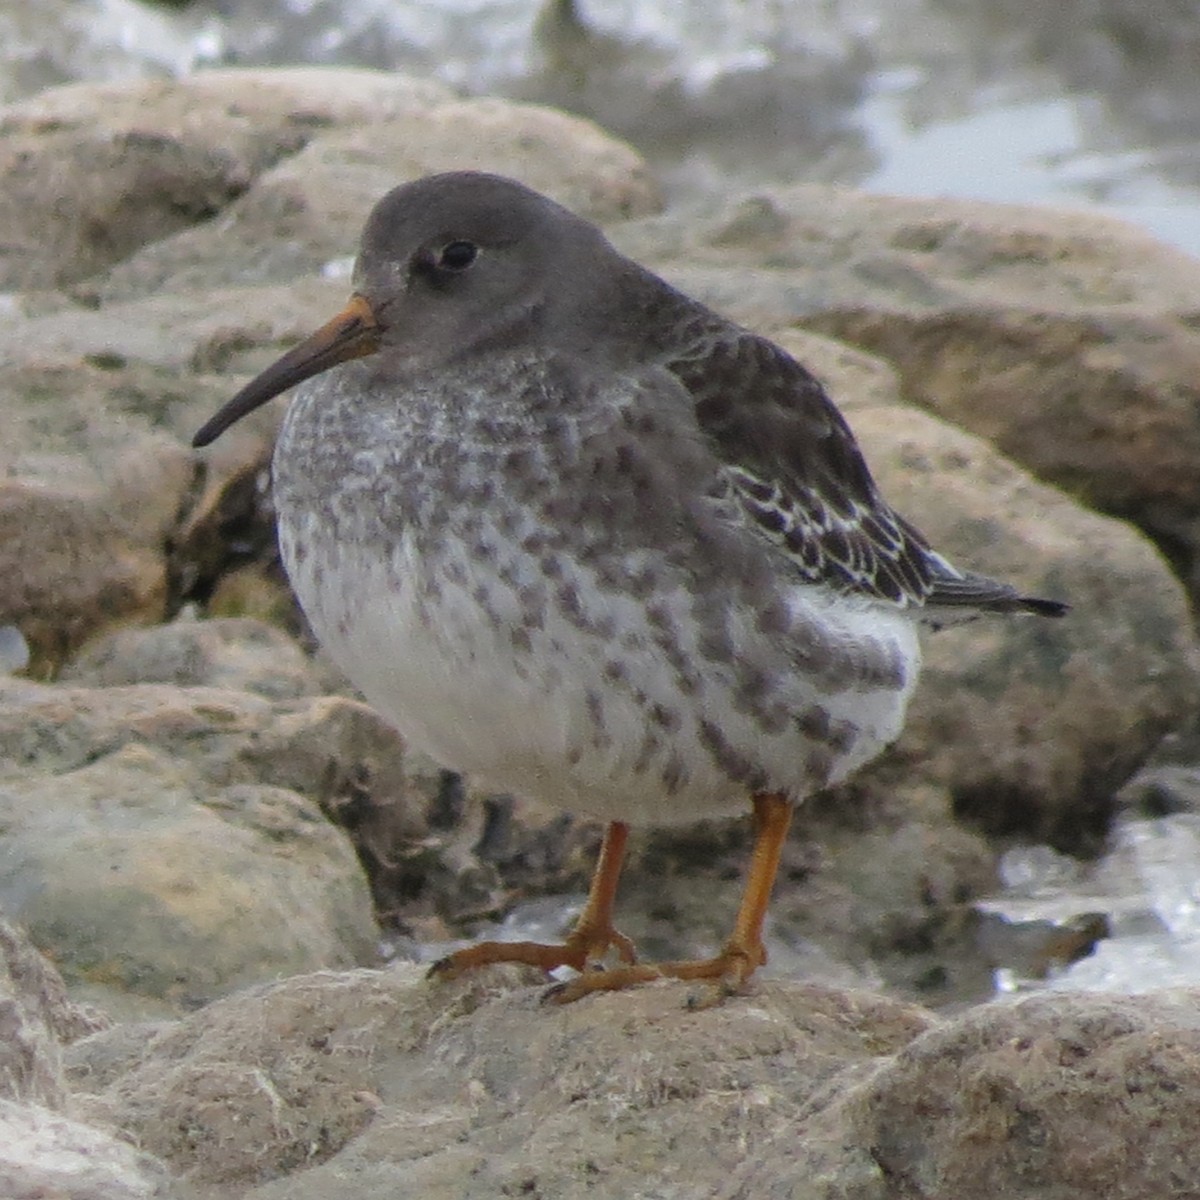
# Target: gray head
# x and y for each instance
(447, 264)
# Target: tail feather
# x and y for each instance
(958, 595)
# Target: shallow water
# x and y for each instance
(1147, 890)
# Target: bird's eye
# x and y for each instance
(457, 255)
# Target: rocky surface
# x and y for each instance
(1021, 728)
(43, 1151)
(240, 654)
(1066, 1096)
(192, 806)
(45, 1154)
(156, 842)
(366, 1084)
(37, 1017)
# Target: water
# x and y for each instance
(1144, 900)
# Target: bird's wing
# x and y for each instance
(791, 462)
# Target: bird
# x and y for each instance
(590, 543)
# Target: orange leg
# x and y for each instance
(743, 953)
(588, 942)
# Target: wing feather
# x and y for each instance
(791, 466)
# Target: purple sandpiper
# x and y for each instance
(589, 542)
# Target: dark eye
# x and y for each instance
(457, 256)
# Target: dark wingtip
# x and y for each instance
(1045, 608)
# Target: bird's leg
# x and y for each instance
(743, 953)
(588, 942)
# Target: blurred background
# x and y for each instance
(1084, 102)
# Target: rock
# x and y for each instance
(370, 1083)
(273, 169)
(169, 842)
(36, 1017)
(149, 158)
(304, 216)
(44, 1154)
(377, 1083)
(68, 570)
(95, 486)
(1065, 338)
(1032, 725)
(232, 653)
(1065, 1096)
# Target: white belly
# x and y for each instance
(584, 712)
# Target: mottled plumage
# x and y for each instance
(585, 539)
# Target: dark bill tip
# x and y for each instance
(354, 332)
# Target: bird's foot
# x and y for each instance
(727, 973)
(585, 945)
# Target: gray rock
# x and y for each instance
(68, 570)
(369, 1084)
(378, 1084)
(1067, 1096)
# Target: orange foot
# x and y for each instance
(729, 971)
(595, 935)
(585, 945)
(588, 943)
